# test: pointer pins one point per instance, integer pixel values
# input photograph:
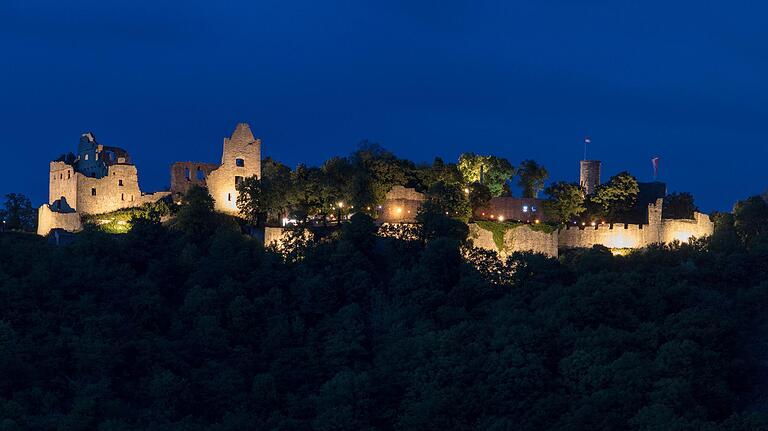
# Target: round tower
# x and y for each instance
(589, 175)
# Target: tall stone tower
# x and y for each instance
(589, 175)
(240, 159)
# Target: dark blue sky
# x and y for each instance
(685, 80)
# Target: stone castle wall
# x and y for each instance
(119, 188)
(682, 230)
(48, 220)
(518, 238)
(615, 235)
(185, 175)
(240, 159)
(401, 205)
(62, 186)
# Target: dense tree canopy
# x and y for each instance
(616, 197)
(679, 206)
(17, 213)
(195, 326)
(497, 172)
(565, 201)
(531, 177)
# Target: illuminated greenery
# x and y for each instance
(120, 221)
(499, 229)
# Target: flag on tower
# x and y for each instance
(586, 141)
(655, 163)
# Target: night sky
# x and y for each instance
(684, 80)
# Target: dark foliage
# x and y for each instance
(197, 327)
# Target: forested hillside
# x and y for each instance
(194, 326)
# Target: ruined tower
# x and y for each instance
(240, 159)
(589, 175)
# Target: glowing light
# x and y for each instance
(683, 237)
(466, 190)
(398, 210)
(592, 224)
(525, 208)
(536, 221)
(501, 218)
(340, 204)
(583, 224)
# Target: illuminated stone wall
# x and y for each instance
(274, 235)
(682, 230)
(519, 238)
(616, 235)
(240, 159)
(100, 180)
(401, 205)
(118, 189)
(619, 235)
(47, 220)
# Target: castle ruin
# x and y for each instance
(240, 159)
(100, 179)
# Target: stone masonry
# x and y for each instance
(241, 158)
(98, 180)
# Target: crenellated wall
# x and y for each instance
(619, 235)
(615, 235)
(611, 235)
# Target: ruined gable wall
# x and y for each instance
(47, 220)
(62, 184)
(222, 181)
